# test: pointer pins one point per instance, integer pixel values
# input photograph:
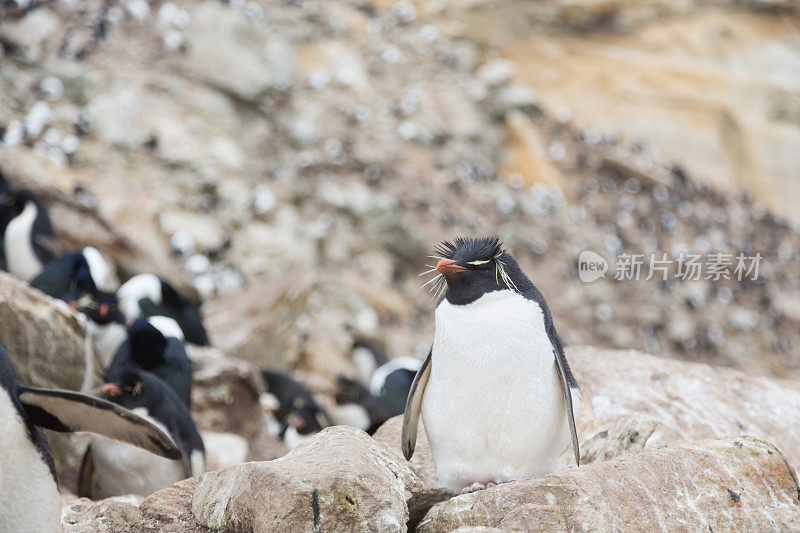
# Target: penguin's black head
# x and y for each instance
(348, 391)
(172, 298)
(131, 388)
(101, 307)
(469, 267)
(19, 197)
(147, 344)
(297, 408)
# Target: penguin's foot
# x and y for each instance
(477, 486)
(472, 488)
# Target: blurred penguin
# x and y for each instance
(392, 382)
(356, 406)
(29, 499)
(147, 348)
(112, 468)
(298, 415)
(149, 295)
(367, 355)
(73, 275)
(28, 240)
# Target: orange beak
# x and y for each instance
(448, 266)
(112, 391)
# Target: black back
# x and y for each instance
(297, 407)
(6, 214)
(396, 386)
(69, 278)
(349, 391)
(66, 276)
(147, 349)
(144, 389)
(8, 382)
(177, 307)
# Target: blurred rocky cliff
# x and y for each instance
(296, 161)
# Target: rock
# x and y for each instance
(77, 225)
(236, 54)
(687, 401)
(46, 340)
(170, 510)
(224, 449)
(527, 154)
(225, 393)
(251, 325)
(736, 483)
(117, 117)
(341, 480)
(430, 491)
(717, 134)
(206, 232)
(32, 34)
(626, 435)
(111, 514)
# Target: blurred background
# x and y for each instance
(292, 163)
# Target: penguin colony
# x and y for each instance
(495, 390)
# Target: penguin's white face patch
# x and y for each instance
(98, 268)
(29, 498)
(167, 326)
(135, 289)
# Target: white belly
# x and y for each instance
(20, 257)
(124, 469)
(493, 408)
(29, 500)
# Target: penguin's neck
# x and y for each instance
(20, 255)
(29, 498)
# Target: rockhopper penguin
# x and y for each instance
(148, 295)
(147, 348)
(28, 240)
(496, 393)
(111, 468)
(29, 499)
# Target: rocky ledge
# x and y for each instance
(666, 445)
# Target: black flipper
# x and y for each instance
(66, 411)
(86, 474)
(408, 437)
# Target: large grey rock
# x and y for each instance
(430, 491)
(225, 393)
(238, 55)
(737, 483)
(111, 514)
(170, 510)
(686, 401)
(341, 480)
(45, 339)
(252, 325)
